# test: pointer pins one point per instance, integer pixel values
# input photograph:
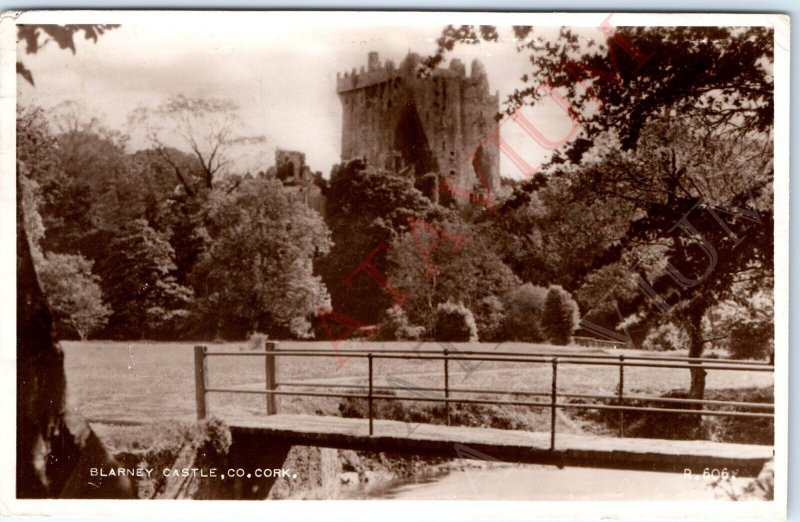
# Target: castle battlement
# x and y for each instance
(376, 72)
(400, 121)
(363, 78)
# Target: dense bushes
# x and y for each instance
(489, 317)
(751, 340)
(524, 307)
(454, 322)
(665, 338)
(395, 326)
(560, 316)
(745, 328)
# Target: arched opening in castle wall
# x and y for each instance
(411, 142)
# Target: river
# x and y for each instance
(550, 483)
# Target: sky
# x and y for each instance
(282, 76)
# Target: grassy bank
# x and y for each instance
(123, 384)
(137, 381)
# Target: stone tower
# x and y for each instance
(291, 170)
(439, 123)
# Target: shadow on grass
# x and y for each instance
(677, 426)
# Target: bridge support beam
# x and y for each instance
(250, 452)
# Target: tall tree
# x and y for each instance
(617, 79)
(51, 442)
(257, 275)
(139, 282)
(699, 224)
(682, 117)
(176, 215)
(209, 127)
(366, 209)
(98, 190)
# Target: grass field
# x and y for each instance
(135, 381)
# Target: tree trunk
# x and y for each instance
(695, 329)
(55, 449)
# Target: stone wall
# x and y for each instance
(401, 121)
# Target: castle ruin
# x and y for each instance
(297, 178)
(402, 122)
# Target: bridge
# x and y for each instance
(495, 445)
(274, 433)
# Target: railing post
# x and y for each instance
(553, 405)
(446, 387)
(620, 395)
(200, 380)
(369, 393)
(269, 368)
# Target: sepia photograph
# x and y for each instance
(317, 256)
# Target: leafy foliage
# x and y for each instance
(559, 316)
(746, 327)
(37, 163)
(67, 281)
(137, 278)
(490, 313)
(455, 323)
(63, 35)
(524, 307)
(630, 75)
(666, 337)
(365, 210)
(395, 326)
(96, 192)
(73, 293)
(257, 274)
(446, 260)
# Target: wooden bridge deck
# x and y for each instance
(506, 445)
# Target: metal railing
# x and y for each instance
(621, 402)
(594, 342)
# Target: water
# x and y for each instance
(550, 483)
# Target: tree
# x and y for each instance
(609, 297)
(45, 431)
(446, 260)
(713, 89)
(138, 280)
(490, 314)
(559, 316)
(546, 236)
(89, 187)
(258, 274)
(180, 218)
(664, 338)
(701, 223)
(73, 293)
(37, 168)
(98, 189)
(366, 209)
(618, 79)
(183, 222)
(209, 127)
(744, 325)
(524, 306)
